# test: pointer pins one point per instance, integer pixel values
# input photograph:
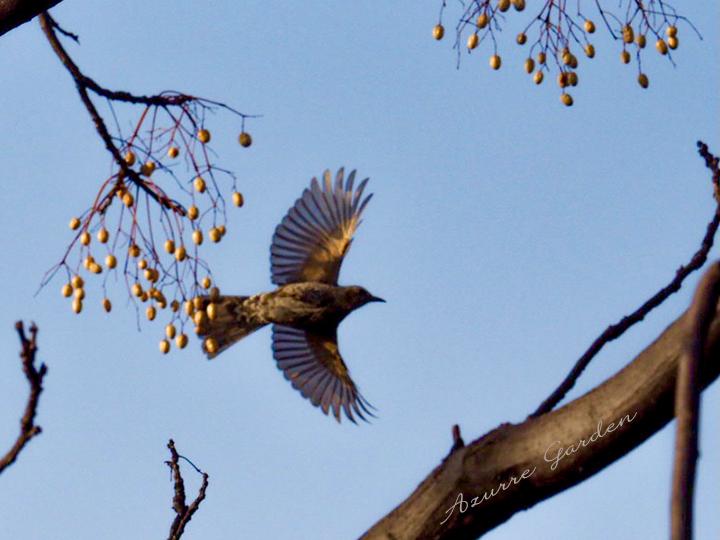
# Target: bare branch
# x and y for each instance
(687, 403)
(28, 429)
(616, 330)
(515, 466)
(13, 13)
(183, 512)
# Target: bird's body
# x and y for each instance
(308, 305)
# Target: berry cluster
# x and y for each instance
(559, 34)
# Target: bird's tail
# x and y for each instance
(228, 320)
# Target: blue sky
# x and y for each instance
(506, 233)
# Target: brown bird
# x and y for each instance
(305, 310)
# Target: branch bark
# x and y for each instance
(13, 13)
(516, 466)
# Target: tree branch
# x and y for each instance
(516, 466)
(616, 330)
(687, 403)
(183, 512)
(13, 13)
(28, 429)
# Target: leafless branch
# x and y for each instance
(28, 429)
(618, 329)
(183, 512)
(13, 13)
(687, 402)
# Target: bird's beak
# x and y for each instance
(376, 299)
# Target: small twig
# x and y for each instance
(687, 403)
(458, 441)
(618, 329)
(28, 429)
(183, 512)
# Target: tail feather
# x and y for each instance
(234, 319)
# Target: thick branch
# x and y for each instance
(550, 453)
(687, 403)
(13, 13)
(28, 429)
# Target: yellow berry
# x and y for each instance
(136, 290)
(107, 305)
(482, 20)
(130, 158)
(169, 246)
(589, 26)
(641, 41)
(222, 230)
(472, 41)
(175, 306)
(74, 223)
(193, 212)
(211, 345)
(566, 99)
(203, 136)
(246, 140)
(197, 237)
(79, 293)
(538, 77)
(88, 261)
(438, 33)
(572, 78)
(189, 308)
(214, 234)
(85, 238)
(673, 42)
(103, 235)
(95, 268)
(200, 184)
(628, 34)
(625, 57)
(181, 341)
(77, 305)
(671, 31)
(142, 264)
(150, 312)
(164, 346)
(134, 250)
(66, 290)
(661, 46)
(562, 79)
(541, 57)
(148, 168)
(111, 261)
(206, 282)
(180, 253)
(590, 50)
(643, 80)
(211, 311)
(495, 61)
(173, 152)
(503, 5)
(200, 318)
(170, 331)
(152, 275)
(521, 38)
(127, 199)
(238, 199)
(519, 5)
(77, 282)
(144, 296)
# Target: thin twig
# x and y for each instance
(183, 512)
(618, 329)
(28, 429)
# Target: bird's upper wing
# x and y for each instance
(313, 237)
(312, 363)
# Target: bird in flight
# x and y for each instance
(305, 310)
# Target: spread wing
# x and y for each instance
(315, 234)
(312, 363)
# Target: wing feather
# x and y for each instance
(315, 234)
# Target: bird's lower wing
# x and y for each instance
(312, 363)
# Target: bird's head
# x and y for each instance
(359, 296)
